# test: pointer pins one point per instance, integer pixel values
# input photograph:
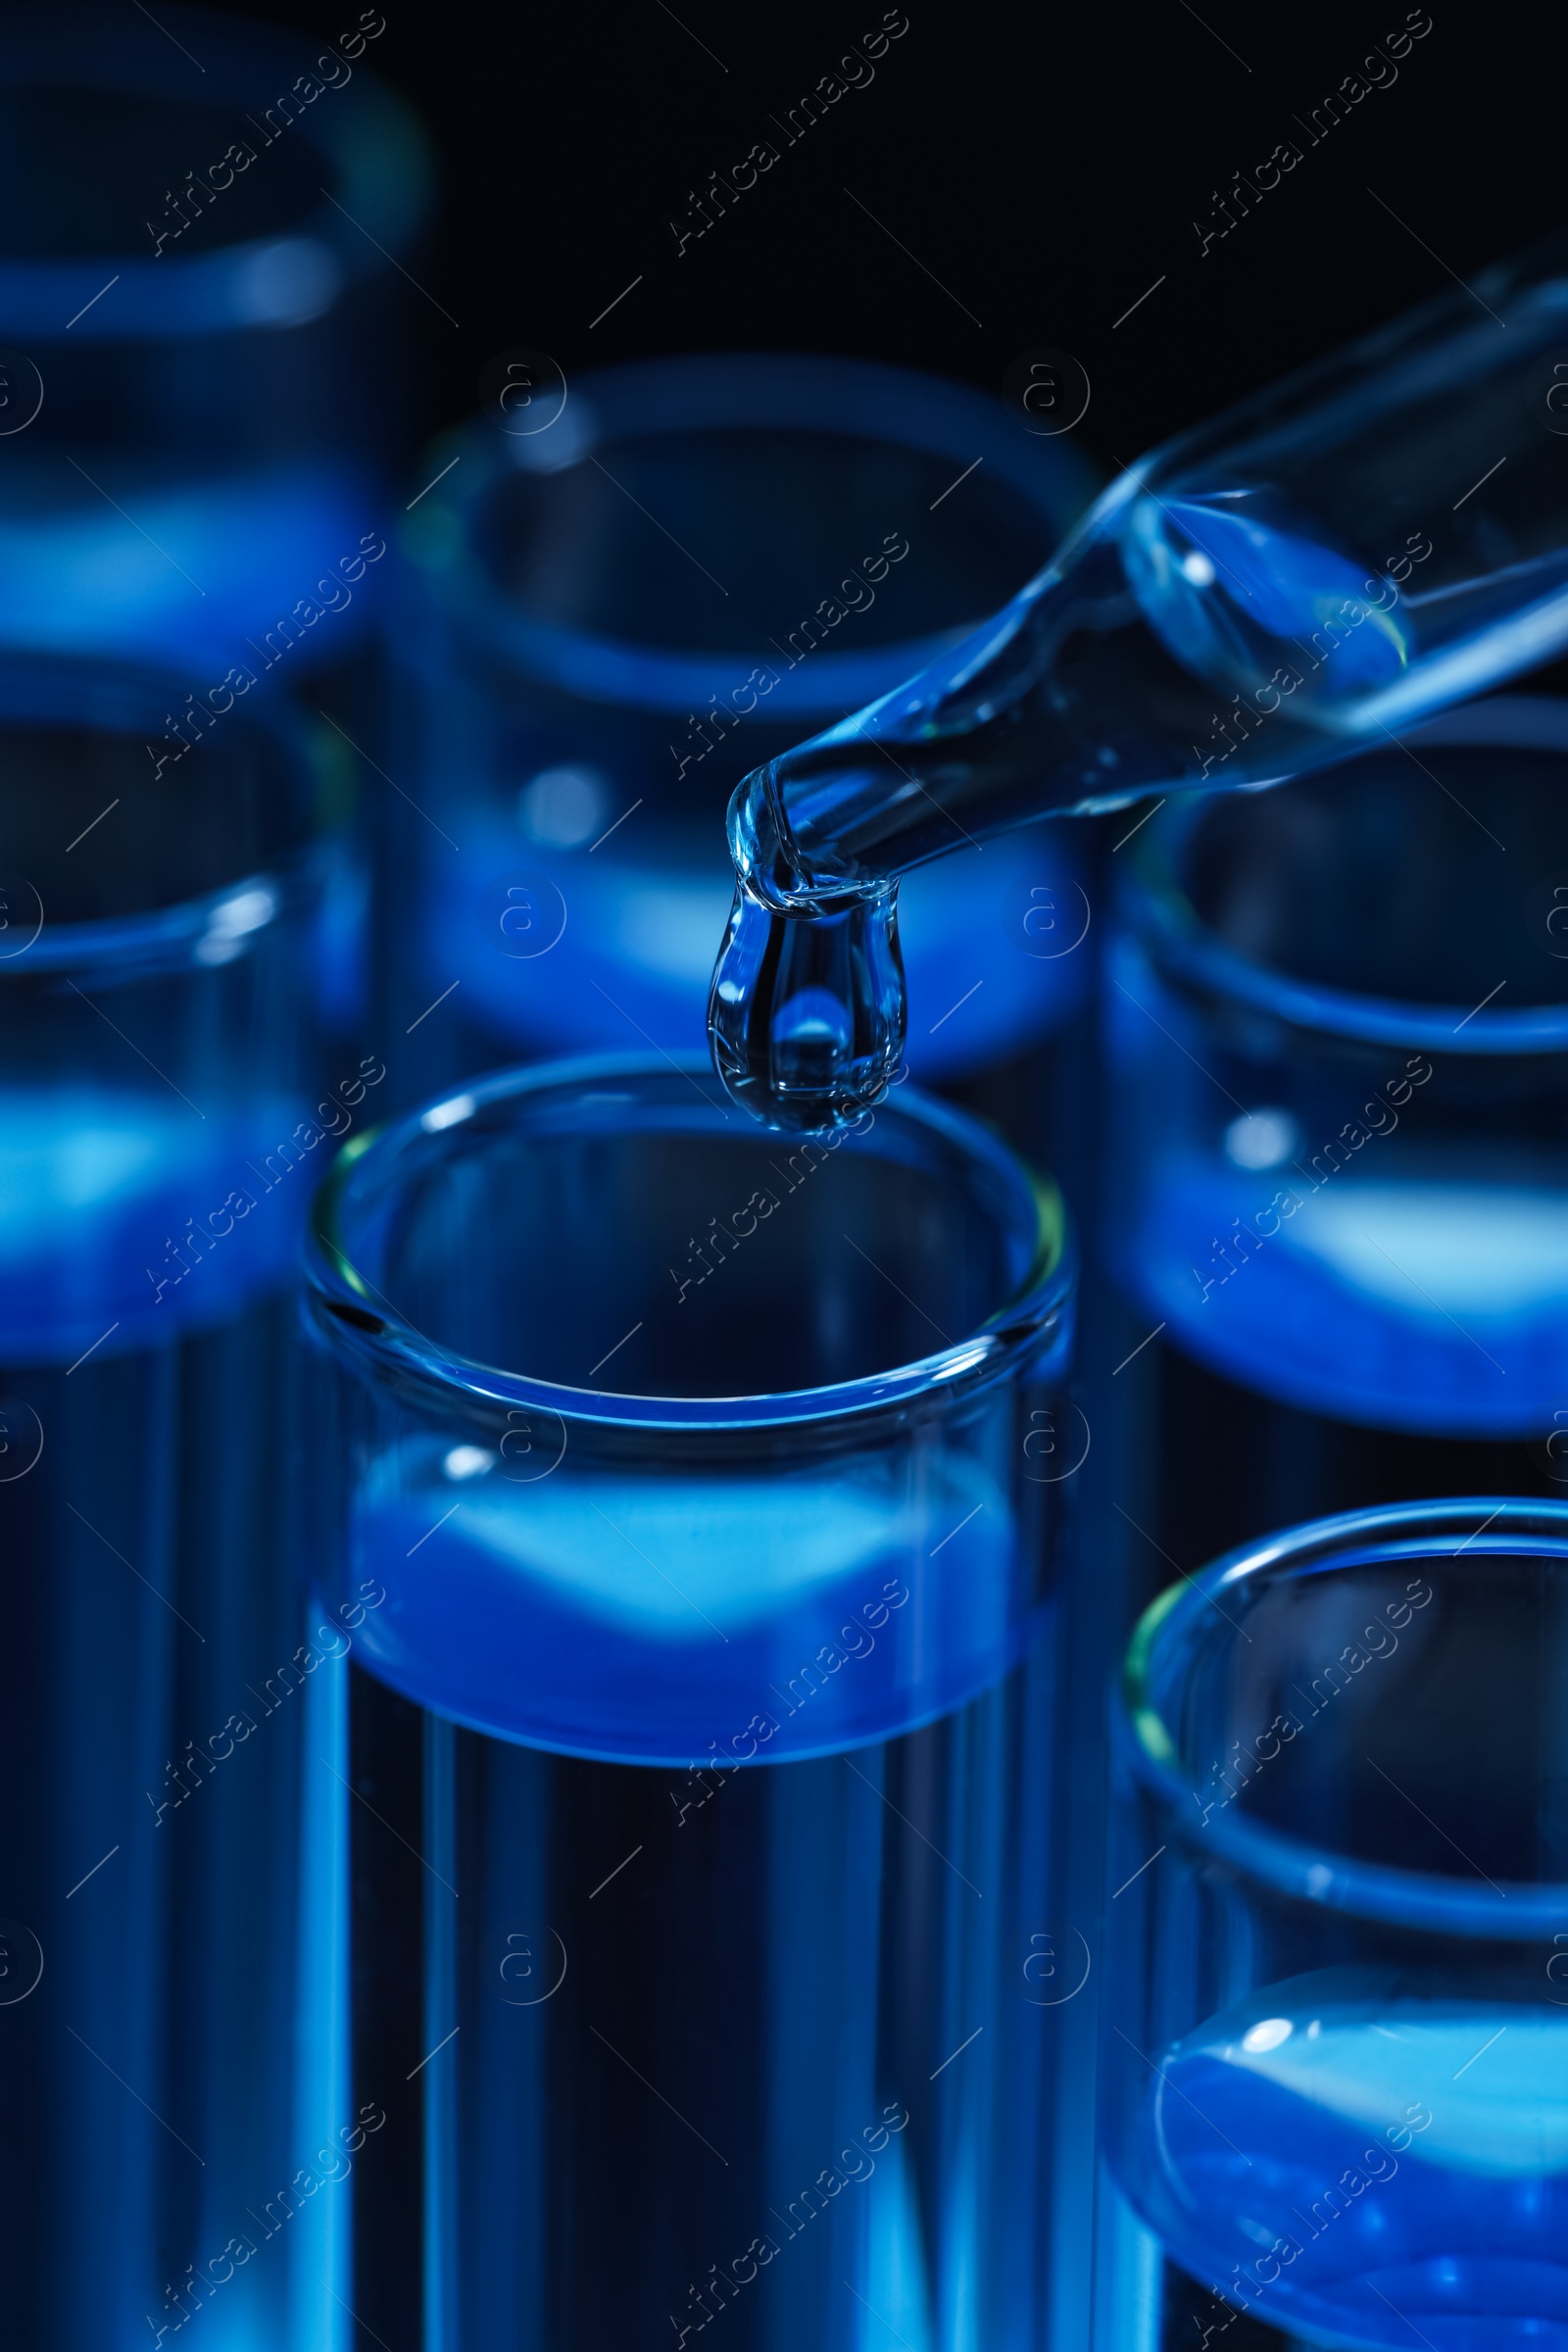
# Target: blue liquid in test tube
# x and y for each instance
(185, 307)
(170, 2009)
(635, 586)
(1339, 1027)
(717, 1792)
(1335, 1022)
(1337, 2044)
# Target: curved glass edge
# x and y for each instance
(217, 928)
(378, 149)
(606, 669)
(862, 399)
(346, 1315)
(1154, 904)
(218, 925)
(1144, 1745)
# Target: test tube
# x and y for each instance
(704, 1959)
(622, 592)
(1335, 1164)
(1336, 2047)
(1338, 1020)
(207, 220)
(168, 1985)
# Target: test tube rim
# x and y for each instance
(934, 415)
(1154, 907)
(1146, 1750)
(347, 1316)
(107, 694)
(380, 150)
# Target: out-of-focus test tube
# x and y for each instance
(706, 1961)
(203, 219)
(1339, 1023)
(172, 2002)
(1336, 2045)
(1336, 1029)
(624, 592)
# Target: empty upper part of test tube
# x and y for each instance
(1379, 536)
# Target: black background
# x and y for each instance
(1045, 164)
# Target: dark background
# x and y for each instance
(1043, 163)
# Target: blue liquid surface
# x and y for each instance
(107, 1192)
(669, 1620)
(242, 551)
(1426, 1299)
(1412, 2153)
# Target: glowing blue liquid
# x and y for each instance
(95, 1186)
(242, 551)
(637, 951)
(653, 1620)
(1413, 2154)
(1418, 1299)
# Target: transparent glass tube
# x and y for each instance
(202, 220)
(1337, 1021)
(1377, 536)
(170, 2007)
(620, 601)
(706, 1764)
(1336, 2045)
(1369, 542)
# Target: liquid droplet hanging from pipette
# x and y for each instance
(807, 1010)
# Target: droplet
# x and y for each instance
(805, 1015)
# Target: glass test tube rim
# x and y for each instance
(117, 696)
(1164, 1642)
(1155, 905)
(687, 394)
(379, 153)
(359, 1326)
